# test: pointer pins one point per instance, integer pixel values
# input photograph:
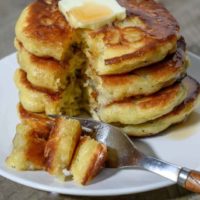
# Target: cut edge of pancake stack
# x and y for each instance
(47, 74)
(134, 71)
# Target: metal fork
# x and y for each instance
(122, 153)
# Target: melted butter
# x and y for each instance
(91, 12)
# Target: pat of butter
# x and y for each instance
(91, 14)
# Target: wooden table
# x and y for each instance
(187, 13)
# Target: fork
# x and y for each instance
(122, 153)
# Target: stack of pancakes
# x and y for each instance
(132, 72)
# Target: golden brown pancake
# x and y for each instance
(37, 99)
(61, 146)
(147, 35)
(28, 149)
(43, 30)
(143, 81)
(43, 72)
(88, 160)
(139, 110)
(39, 122)
(179, 114)
(54, 146)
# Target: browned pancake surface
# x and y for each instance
(169, 66)
(46, 23)
(29, 86)
(158, 26)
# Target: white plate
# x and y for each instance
(180, 146)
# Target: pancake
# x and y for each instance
(28, 149)
(88, 160)
(179, 114)
(43, 30)
(43, 72)
(36, 99)
(146, 36)
(48, 72)
(143, 81)
(39, 122)
(139, 110)
(61, 145)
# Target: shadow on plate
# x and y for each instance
(105, 174)
(144, 147)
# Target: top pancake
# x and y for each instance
(43, 30)
(146, 36)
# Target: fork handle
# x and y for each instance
(189, 179)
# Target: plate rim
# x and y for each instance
(88, 192)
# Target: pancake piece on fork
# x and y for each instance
(88, 160)
(64, 149)
(61, 145)
(28, 148)
(38, 121)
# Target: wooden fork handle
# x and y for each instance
(190, 180)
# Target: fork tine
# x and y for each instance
(86, 123)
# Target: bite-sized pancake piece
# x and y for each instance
(140, 110)
(43, 72)
(89, 158)
(147, 35)
(28, 149)
(43, 30)
(36, 99)
(179, 114)
(39, 122)
(143, 81)
(61, 145)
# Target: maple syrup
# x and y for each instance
(184, 128)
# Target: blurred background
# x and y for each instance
(187, 12)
